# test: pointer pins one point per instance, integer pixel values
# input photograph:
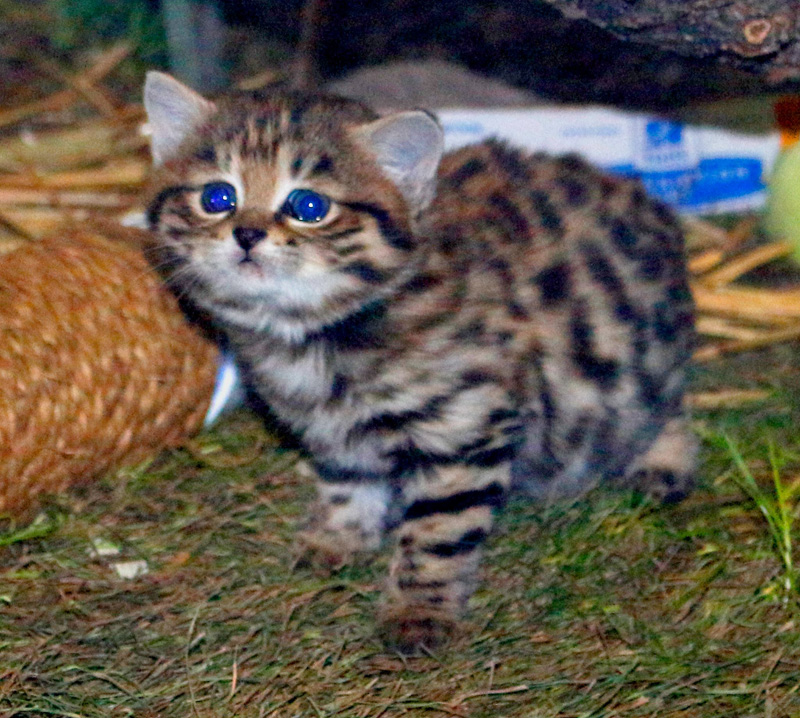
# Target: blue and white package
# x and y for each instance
(696, 169)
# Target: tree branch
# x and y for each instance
(761, 36)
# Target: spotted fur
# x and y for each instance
(454, 329)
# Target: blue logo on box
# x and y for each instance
(660, 134)
(714, 180)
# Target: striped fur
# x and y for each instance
(528, 328)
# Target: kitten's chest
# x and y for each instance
(295, 378)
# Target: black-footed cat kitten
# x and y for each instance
(436, 328)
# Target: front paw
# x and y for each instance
(413, 629)
(334, 548)
(327, 549)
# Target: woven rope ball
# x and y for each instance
(98, 367)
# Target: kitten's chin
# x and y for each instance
(273, 290)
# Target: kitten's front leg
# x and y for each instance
(434, 569)
(347, 519)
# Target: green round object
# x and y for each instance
(783, 203)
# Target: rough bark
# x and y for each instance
(761, 36)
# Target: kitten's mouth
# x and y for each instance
(249, 266)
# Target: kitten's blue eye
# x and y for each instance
(306, 206)
(218, 197)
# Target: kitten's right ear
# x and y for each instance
(173, 112)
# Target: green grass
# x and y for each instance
(610, 606)
(778, 510)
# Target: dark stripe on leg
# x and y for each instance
(492, 495)
(465, 544)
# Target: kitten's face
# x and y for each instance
(289, 208)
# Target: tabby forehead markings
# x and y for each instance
(461, 320)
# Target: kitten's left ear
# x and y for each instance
(173, 112)
(408, 147)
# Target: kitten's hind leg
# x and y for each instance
(666, 470)
(347, 519)
(434, 569)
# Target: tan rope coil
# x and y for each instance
(98, 367)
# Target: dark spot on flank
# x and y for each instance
(663, 212)
(651, 265)
(338, 387)
(469, 169)
(607, 186)
(510, 217)
(516, 311)
(650, 390)
(623, 236)
(573, 163)
(472, 331)
(575, 192)
(553, 283)
(450, 239)
(511, 161)
(549, 216)
(339, 500)
(578, 431)
(503, 268)
(603, 272)
(665, 325)
(679, 293)
(603, 371)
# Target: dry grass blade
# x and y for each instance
(742, 264)
(725, 398)
(83, 85)
(701, 234)
(38, 221)
(104, 64)
(716, 351)
(708, 259)
(729, 328)
(126, 171)
(57, 198)
(745, 317)
(75, 146)
(748, 303)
